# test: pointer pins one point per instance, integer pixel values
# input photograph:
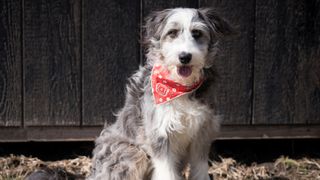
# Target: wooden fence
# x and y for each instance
(64, 64)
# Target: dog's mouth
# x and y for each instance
(184, 71)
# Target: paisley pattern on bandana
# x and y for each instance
(164, 89)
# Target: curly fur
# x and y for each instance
(156, 142)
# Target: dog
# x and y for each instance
(166, 122)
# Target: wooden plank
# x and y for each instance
(111, 53)
(150, 5)
(10, 63)
(45, 134)
(234, 64)
(287, 66)
(270, 132)
(52, 62)
(49, 133)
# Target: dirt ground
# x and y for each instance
(284, 168)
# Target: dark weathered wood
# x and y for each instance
(270, 132)
(12, 134)
(52, 62)
(49, 133)
(234, 64)
(110, 55)
(42, 78)
(287, 61)
(150, 5)
(10, 63)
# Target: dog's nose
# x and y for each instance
(185, 58)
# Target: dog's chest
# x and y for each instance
(180, 140)
(180, 121)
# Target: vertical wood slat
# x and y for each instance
(234, 63)
(51, 62)
(110, 55)
(287, 62)
(10, 63)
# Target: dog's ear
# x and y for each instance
(154, 24)
(218, 26)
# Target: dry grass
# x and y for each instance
(283, 168)
(18, 167)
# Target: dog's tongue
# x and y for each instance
(184, 71)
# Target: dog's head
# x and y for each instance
(184, 40)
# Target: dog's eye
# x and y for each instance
(173, 33)
(196, 34)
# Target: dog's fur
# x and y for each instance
(150, 141)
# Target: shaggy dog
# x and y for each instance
(166, 123)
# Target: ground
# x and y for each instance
(283, 168)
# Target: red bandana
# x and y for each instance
(164, 89)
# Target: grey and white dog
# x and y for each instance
(150, 141)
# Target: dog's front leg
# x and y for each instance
(164, 161)
(198, 158)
